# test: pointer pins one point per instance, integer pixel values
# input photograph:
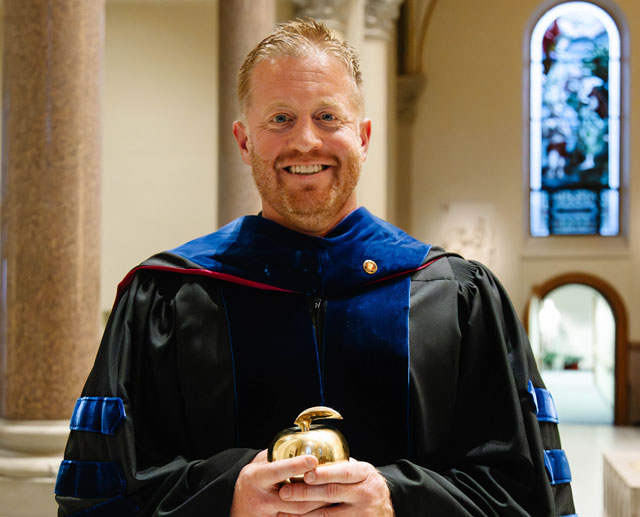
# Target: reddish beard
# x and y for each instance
(310, 208)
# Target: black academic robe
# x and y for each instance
(214, 347)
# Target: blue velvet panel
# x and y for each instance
(544, 404)
(366, 345)
(98, 415)
(572, 515)
(557, 466)
(89, 479)
(118, 506)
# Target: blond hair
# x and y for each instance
(296, 39)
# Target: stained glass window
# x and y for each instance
(575, 122)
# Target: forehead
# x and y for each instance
(310, 78)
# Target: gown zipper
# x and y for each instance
(318, 306)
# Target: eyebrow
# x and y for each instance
(322, 103)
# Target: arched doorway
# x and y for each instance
(565, 296)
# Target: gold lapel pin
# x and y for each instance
(369, 266)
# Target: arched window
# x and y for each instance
(574, 149)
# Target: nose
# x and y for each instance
(304, 136)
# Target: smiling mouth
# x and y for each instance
(305, 169)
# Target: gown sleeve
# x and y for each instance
(137, 446)
(482, 446)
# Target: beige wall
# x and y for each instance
(160, 131)
(469, 147)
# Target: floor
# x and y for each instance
(576, 397)
(586, 432)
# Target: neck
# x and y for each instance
(315, 225)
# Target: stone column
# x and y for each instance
(333, 13)
(50, 251)
(375, 186)
(410, 82)
(243, 24)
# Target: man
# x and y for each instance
(215, 346)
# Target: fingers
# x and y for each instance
(261, 457)
(346, 473)
(332, 492)
(354, 484)
(256, 489)
(340, 510)
(333, 483)
(299, 507)
(269, 474)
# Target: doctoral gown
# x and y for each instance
(215, 346)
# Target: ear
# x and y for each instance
(242, 137)
(365, 136)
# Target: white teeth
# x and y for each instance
(305, 169)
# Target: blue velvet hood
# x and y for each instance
(261, 251)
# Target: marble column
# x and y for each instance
(243, 24)
(333, 13)
(376, 188)
(50, 252)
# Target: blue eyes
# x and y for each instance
(324, 117)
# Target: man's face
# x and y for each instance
(305, 141)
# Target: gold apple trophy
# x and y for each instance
(324, 442)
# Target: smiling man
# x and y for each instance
(215, 346)
(305, 138)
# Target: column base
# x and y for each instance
(30, 454)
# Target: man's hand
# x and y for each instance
(256, 491)
(356, 489)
